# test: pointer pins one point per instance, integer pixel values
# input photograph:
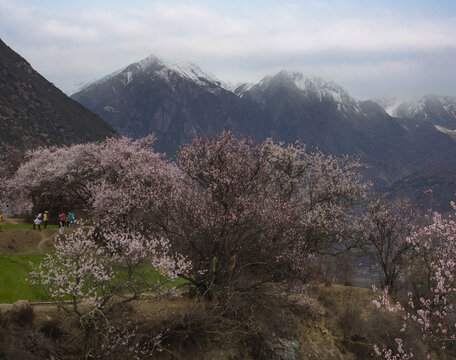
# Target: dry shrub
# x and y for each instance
(382, 328)
(18, 339)
(51, 328)
(21, 313)
(304, 303)
(330, 269)
(172, 335)
(21, 339)
(255, 324)
(350, 320)
(266, 321)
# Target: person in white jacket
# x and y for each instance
(37, 222)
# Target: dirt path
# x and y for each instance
(25, 241)
(45, 237)
(43, 240)
(13, 221)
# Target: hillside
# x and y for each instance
(34, 112)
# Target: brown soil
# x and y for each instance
(26, 242)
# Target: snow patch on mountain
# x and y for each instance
(316, 88)
(390, 105)
(448, 103)
(415, 107)
(167, 69)
(402, 106)
(241, 89)
(449, 132)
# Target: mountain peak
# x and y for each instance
(310, 87)
(166, 69)
(185, 69)
(426, 109)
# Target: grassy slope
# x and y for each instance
(20, 247)
(14, 270)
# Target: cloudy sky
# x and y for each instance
(371, 47)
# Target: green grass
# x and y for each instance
(14, 270)
(25, 226)
(147, 271)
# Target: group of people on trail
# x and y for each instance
(41, 219)
(66, 219)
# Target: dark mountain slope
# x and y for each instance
(34, 112)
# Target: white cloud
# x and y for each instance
(93, 42)
(59, 30)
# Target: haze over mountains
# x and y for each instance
(408, 143)
(34, 112)
(177, 101)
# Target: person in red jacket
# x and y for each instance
(62, 217)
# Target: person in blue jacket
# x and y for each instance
(71, 218)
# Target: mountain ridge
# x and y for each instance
(34, 112)
(286, 106)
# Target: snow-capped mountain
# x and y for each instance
(318, 112)
(176, 101)
(310, 87)
(172, 99)
(412, 112)
(169, 70)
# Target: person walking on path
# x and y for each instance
(62, 217)
(45, 219)
(71, 218)
(7, 211)
(37, 222)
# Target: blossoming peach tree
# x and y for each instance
(118, 184)
(387, 227)
(230, 206)
(254, 213)
(228, 217)
(118, 253)
(433, 311)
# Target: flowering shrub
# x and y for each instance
(229, 216)
(235, 209)
(258, 211)
(434, 312)
(324, 190)
(86, 271)
(387, 226)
